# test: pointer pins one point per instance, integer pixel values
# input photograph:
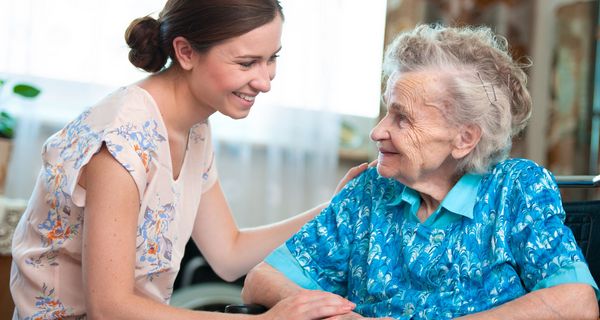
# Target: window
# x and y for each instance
(331, 57)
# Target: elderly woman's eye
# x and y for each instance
(400, 118)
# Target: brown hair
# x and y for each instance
(204, 23)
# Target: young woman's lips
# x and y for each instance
(246, 99)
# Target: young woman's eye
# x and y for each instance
(246, 64)
(273, 58)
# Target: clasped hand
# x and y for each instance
(313, 304)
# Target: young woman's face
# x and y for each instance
(231, 74)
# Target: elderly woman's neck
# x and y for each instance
(432, 193)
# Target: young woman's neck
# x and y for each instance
(178, 106)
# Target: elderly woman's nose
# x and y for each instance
(379, 132)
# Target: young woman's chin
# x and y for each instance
(237, 108)
(237, 116)
(236, 113)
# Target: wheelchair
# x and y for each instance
(583, 218)
(198, 287)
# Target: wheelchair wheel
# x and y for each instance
(207, 296)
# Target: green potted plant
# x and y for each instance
(7, 126)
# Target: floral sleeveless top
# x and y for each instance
(46, 275)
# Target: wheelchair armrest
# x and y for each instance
(245, 308)
(578, 181)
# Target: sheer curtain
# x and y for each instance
(70, 39)
(279, 161)
(283, 158)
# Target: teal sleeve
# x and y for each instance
(283, 261)
(578, 272)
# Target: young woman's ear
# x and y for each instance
(466, 140)
(184, 52)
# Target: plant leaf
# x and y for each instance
(25, 90)
(7, 125)
(6, 132)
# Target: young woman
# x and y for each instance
(125, 185)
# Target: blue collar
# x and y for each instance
(460, 200)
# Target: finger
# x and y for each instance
(351, 174)
(326, 298)
(310, 305)
(351, 316)
(355, 171)
(319, 298)
(319, 312)
(373, 163)
(362, 167)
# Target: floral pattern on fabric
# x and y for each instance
(74, 142)
(144, 140)
(47, 244)
(367, 249)
(156, 249)
(49, 307)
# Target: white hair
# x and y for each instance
(484, 86)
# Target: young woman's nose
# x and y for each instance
(262, 78)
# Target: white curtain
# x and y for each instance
(70, 39)
(283, 158)
(279, 161)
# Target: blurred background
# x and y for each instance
(301, 137)
(279, 161)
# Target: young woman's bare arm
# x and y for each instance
(110, 229)
(233, 252)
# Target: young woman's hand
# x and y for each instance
(309, 304)
(353, 173)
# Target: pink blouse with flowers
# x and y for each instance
(46, 275)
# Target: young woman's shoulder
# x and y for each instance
(126, 121)
(126, 104)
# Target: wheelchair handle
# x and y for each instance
(578, 181)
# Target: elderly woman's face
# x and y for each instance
(414, 139)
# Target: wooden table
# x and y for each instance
(6, 302)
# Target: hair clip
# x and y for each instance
(486, 90)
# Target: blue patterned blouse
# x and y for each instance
(494, 238)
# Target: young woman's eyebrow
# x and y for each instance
(257, 57)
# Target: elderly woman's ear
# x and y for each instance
(465, 140)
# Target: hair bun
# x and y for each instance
(143, 37)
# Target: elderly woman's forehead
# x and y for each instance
(421, 82)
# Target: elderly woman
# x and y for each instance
(447, 226)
